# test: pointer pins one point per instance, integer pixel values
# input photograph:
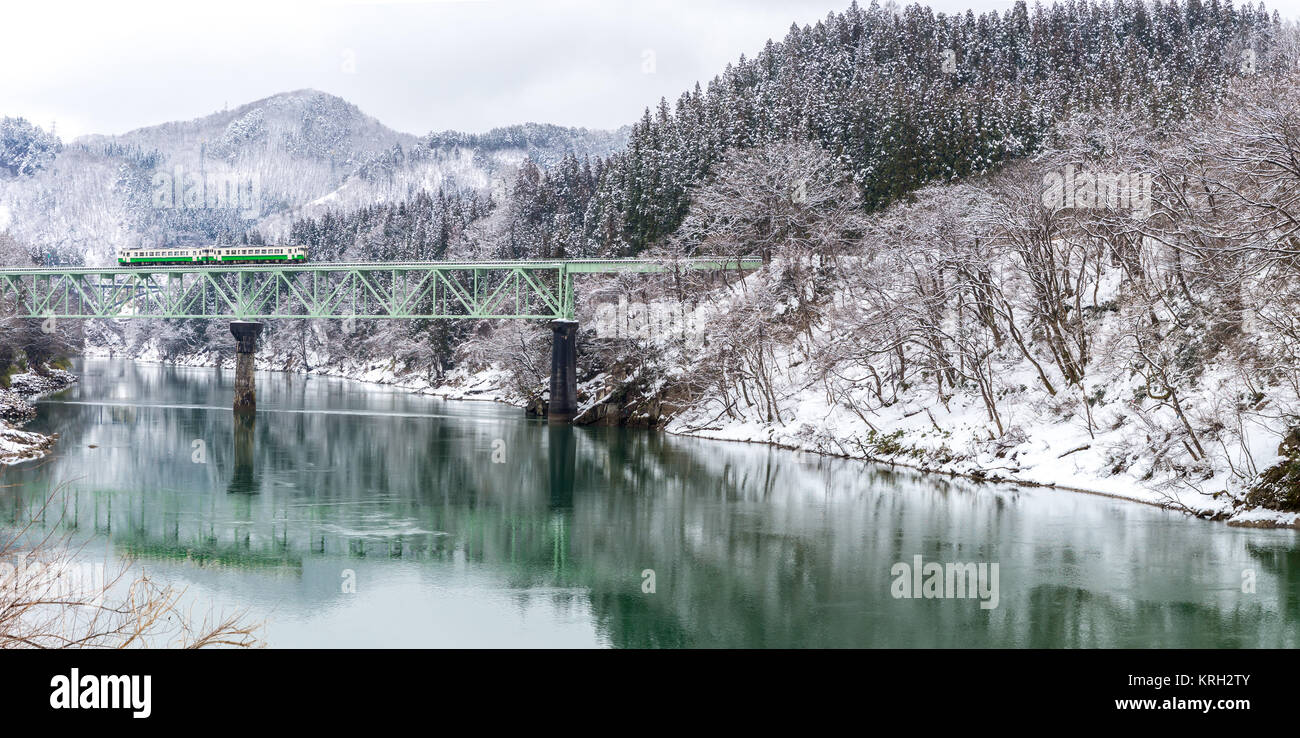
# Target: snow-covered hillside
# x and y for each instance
(256, 167)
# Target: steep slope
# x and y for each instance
(257, 168)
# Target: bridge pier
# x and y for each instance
(563, 405)
(245, 334)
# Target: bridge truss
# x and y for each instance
(403, 291)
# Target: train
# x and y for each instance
(236, 254)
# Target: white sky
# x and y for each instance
(95, 66)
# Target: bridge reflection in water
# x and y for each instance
(242, 479)
(467, 524)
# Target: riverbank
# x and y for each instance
(1048, 443)
(16, 408)
(457, 384)
(1044, 447)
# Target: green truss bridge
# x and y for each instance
(247, 294)
(538, 290)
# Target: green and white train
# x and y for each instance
(237, 254)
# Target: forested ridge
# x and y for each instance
(899, 98)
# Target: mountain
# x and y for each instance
(903, 97)
(257, 168)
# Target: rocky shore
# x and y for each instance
(16, 408)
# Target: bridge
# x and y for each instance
(249, 294)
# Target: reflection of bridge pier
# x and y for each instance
(244, 481)
(561, 454)
(246, 334)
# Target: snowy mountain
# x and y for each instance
(256, 167)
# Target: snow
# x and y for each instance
(15, 445)
(1048, 439)
(458, 384)
(1043, 446)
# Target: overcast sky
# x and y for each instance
(108, 66)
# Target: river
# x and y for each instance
(346, 514)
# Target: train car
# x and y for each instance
(236, 254)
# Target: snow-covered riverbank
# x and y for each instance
(458, 384)
(1043, 449)
(16, 408)
(1115, 432)
(1046, 447)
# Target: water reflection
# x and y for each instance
(467, 524)
(243, 481)
(561, 456)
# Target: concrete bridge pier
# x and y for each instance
(563, 405)
(245, 334)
